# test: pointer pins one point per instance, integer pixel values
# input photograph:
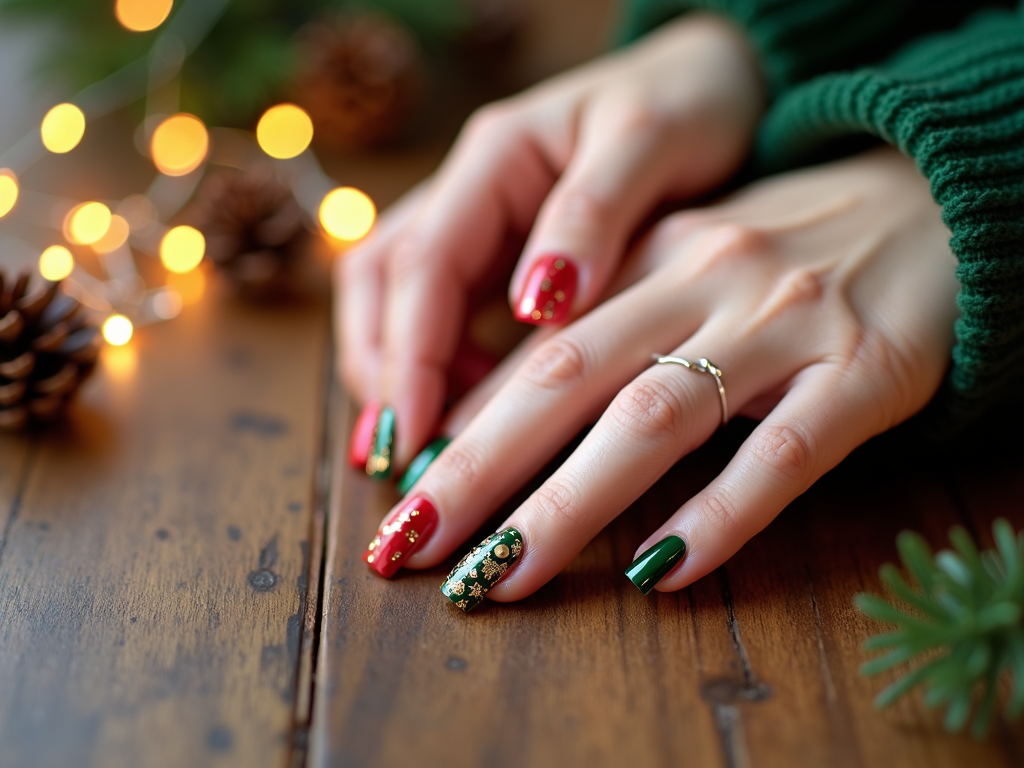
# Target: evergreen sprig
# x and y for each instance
(965, 618)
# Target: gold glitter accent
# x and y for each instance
(545, 284)
(493, 570)
(457, 587)
(374, 544)
(535, 314)
(473, 574)
(395, 556)
(404, 517)
(560, 264)
(414, 513)
(461, 604)
(559, 295)
(369, 559)
(517, 547)
(548, 314)
(476, 590)
(412, 536)
(501, 551)
(382, 463)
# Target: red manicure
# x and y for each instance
(404, 530)
(550, 288)
(362, 435)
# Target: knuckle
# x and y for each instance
(726, 246)
(559, 363)
(651, 411)
(460, 464)
(489, 121)
(719, 508)
(795, 289)
(783, 451)
(559, 503)
(583, 209)
(407, 261)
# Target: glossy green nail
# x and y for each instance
(482, 568)
(419, 465)
(378, 463)
(651, 567)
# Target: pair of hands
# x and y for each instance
(826, 297)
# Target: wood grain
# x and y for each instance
(153, 567)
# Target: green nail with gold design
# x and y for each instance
(378, 463)
(419, 465)
(482, 568)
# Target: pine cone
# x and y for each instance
(360, 80)
(254, 228)
(47, 349)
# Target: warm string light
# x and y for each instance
(347, 214)
(9, 191)
(87, 223)
(62, 128)
(118, 330)
(284, 131)
(182, 249)
(117, 235)
(56, 263)
(180, 144)
(142, 15)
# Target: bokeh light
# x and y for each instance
(56, 263)
(117, 235)
(87, 223)
(182, 249)
(63, 128)
(167, 304)
(118, 330)
(347, 214)
(9, 191)
(190, 287)
(142, 15)
(180, 144)
(284, 131)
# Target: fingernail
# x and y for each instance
(403, 531)
(651, 567)
(362, 435)
(482, 568)
(550, 288)
(419, 465)
(378, 463)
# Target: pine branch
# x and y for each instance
(964, 610)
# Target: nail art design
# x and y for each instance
(419, 465)
(652, 566)
(403, 532)
(549, 291)
(362, 435)
(482, 568)
(378, 463)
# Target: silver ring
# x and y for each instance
(701, 366)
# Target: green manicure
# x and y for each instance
(651, 567)
(378, 463)
(481, 569)
(419, 465)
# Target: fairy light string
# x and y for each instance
(181, 148)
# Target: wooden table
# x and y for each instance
(181, 585)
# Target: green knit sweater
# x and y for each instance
(942, 82)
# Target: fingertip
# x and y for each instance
(549, 291)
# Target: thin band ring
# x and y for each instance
(701, 366)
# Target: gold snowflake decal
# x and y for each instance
(493, 570)
(476, 590)
(462, 604)
(517, 548)
(412, 536)
(473, 574)
(457, 587)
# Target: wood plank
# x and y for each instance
(153, 583)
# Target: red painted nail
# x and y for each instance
(550, 288)
(362, 435)
(403, 531)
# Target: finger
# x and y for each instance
(619, 168)
(492, 184)
(828, 412)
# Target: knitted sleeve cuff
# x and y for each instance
(798, 39)
(954, 103)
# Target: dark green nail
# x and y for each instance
(419, 465)
(651, 567)
(378, 463)
(481, 569)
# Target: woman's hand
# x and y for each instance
(577, 163)
(825, 296)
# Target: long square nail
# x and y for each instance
(654, 564)
(419, 465)
(404, 530)
(378, 463)
(482, 568)
(548, 292)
